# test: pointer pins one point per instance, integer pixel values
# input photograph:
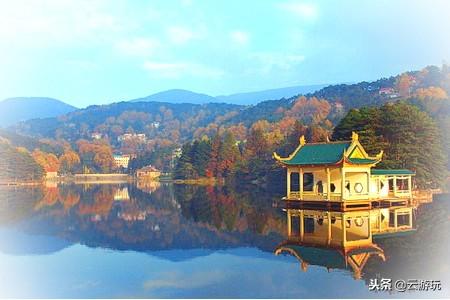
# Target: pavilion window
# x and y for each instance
(295, 225)
(309, 225)
(295, 186)
(402, 184)
(391, 184)
(319, 187)
(391, 219)
(403, 219)
(308, 182)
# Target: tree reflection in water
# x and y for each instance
(396, 243)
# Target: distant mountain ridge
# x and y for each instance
(177, 96)
(272, 94)
(13, 110)
(247, 98)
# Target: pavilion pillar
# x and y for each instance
(344, 231)
(302, 225)
(300, 182)
(328, 184)
(410, 219)
(329, 228)
(395, 186)
(395, 219)
(410, 187)
(342, 183)
(378, 187)
(368, 185)
(289, 223)
(288, 183)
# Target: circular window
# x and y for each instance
(359, 221)
(358, 187)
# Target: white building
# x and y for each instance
(122, 160)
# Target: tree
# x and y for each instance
(69, 161)
(409, 137)
(184, 168)
(403, 84)
(201, 152)
(48, 161)
(211, 169)
(228, 155)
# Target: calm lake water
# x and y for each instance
(179, 241)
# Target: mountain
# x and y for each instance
(178, 96)
(13, 110)
(272, 94)
(250, 98)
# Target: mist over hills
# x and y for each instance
(272, 94)
(13, 110)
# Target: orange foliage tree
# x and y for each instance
(48, 161)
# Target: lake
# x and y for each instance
(161, 240)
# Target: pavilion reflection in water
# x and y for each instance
(342, 240)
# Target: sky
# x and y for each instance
(102, 51)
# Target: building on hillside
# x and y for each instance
(388, 92)
(96, 136)
(155, 125)
(148, 172)
(122, 160)
(342, 172)
(139, 137)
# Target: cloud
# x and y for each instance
(270, 62)
(305, 11)
(179, 35)
(239, 37)
(56, 21)
(181, 69)
(139, 46)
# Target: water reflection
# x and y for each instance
(151, 216)
(222, 236)
(341, 240)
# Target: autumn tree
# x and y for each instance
(48, 161)
(96, 155)
(403, 84)
(69, 161)
(228, 155)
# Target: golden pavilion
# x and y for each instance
(342, 172)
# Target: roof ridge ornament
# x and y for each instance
(328, 139)
(302, 140)
(379, 155)
(355, 136)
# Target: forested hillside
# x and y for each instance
(236, 140)
(16, 164)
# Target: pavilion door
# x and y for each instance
(320, 187)
(391, 186)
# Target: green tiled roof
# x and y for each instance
(391, 172)
(362, 160)
(326, 257)
(317, 154)
(319, 256)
